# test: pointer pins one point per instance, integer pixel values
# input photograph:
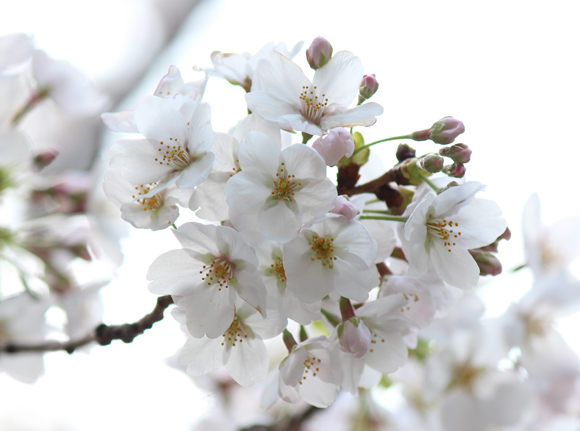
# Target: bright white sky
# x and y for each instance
(508, 69)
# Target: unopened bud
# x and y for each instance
(344, 207)
(319, 53)
(446, 130)
(432, 163)
(455, 170)
(443, 132)
(405, 152)
(459, 153)
(488, 264)
(368, 88)
(354, 337)
(334, 146)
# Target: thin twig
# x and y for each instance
(102, 334)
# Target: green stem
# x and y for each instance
(174, 227)
(377, 212)
(429, 182)
(402, 219)
(379, 141)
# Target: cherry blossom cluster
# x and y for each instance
(278, 243)
(301, 278)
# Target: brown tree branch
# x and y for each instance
(102, 334)
(291, 423)
(371, 186)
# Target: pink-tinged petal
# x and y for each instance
(176, 272)
(388, 355)
(134, 160)
(122, 121)
(314, 200)
(271, 107)
(259, 153)
(196, 173)
(303, 162)
(232, 244)
(277, 221)
(210, 311)
(201, 355)
(456, 268)
(157, 119)
(362, 115)
(255, 123)
(201, 134)
(248, 363)
(340, 79)
(198, 237)
(246, 192)
(282, 78)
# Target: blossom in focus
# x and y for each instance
(176, 147)
(240, 348)
(333, 256)
(214, 268)
(442, 228)
(312, 372)
(284, 189)
(289, 98)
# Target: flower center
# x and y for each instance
(277, 268)
(323, 250)
(375, 340)
(4, 333)
(284, 185)
(235, 334)
(312, 104)
(442, 231)
(219, 271)
(311, 364)
(175, 156)
(465, 375)
(153, 203)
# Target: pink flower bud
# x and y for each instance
(354, 337)
(459, 153)
(443, 132)
(368, 87)
(42, 160)
(488, 264)
(446, 130)
(334, 146)
(455, 170)
(319, 52)
(432, 163)
(344, 207)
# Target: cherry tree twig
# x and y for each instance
(102, 334)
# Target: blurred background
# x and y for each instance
(508, 70)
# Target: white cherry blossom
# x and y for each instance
(312, 372)
(240, 348)
(214, 268)
(289, 98)
(333, 256)
(284, 189)
(176, 148)
(442, 228)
